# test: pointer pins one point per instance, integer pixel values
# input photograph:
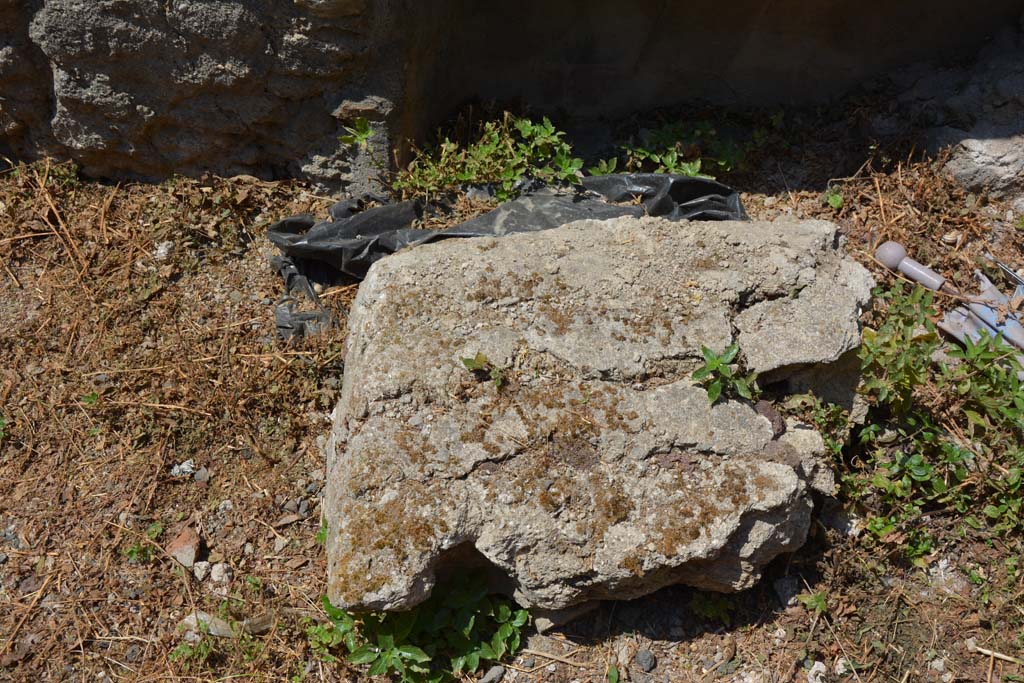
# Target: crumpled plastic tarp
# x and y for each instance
(355, 237)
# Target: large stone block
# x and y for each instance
(598, 469)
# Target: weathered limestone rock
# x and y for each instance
(598, 469)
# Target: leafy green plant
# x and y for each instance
(3, 428)
(685, 148)
(833, 424)
(718, 376)
(604, 167)
(814, 602)
(358, 134)
(896, 359)
(834, 198)
(665, 161)
(504, 154)
(481, 365)
(321, 534)
(90, 399)
(612, 675)
(142, 553)
(194, 654)
(953, 428)
(448, 637)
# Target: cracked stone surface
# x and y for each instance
(598, 470)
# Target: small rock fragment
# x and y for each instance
(221, 573)
(201, 570)
(199, 622)
(183, 469)
(3, 558)
(528, 662)
(280, 543)
(296, 563)
(185, 547)
(286, 520)
(257, 626)
(493, 675)
(646, 660)
(163, 251)
(817, 673)
(201, 476)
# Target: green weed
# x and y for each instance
(480, 365)
(833, 424)
(504, 154)
(663, 161)
(834, 198)
(193, 654)
(448, 637)
(3, 428)
(358, 134)
(718, 376)
(685, 148)
(814, 602)
(604, 167)
(142, 553)
(954, 428)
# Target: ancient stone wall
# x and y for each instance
(148, 88)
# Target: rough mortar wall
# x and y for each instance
(149, 88)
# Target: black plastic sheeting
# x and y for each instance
(356, 237)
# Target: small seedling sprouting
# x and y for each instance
(142, 553)
(834, 198)
(604, 167)
(814, 602)
(717, 375)
(481, 365)
(359, 133)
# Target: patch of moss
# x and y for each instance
(380, 538)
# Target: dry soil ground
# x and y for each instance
(138, 334)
